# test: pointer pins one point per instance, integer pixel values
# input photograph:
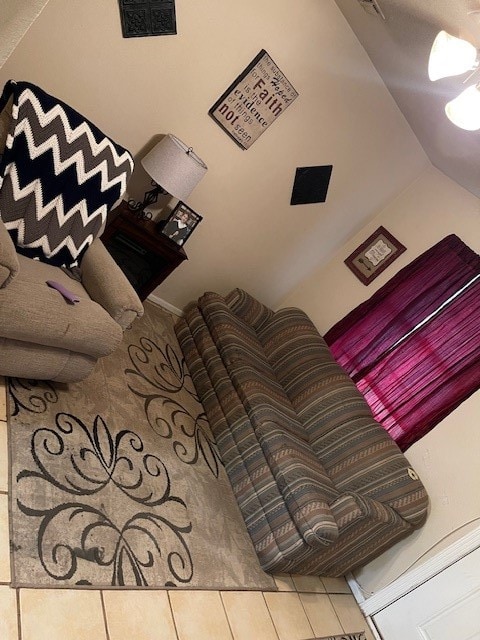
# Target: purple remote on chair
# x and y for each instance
(68, 295)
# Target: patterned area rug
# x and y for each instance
(116, 480)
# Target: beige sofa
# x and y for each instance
(42, 336)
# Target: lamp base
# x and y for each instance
(149, 198)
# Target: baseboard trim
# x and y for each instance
(355, 588)
(429, 569)
(166, 305)
(360, 599)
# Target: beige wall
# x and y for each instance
(446, 458)
(138, 87)
(16, 16)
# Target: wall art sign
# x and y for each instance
(374, 255)
(253, 101)
(147, 18)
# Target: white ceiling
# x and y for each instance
(399, 47)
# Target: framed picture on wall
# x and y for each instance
(180, 223)
(374, 255)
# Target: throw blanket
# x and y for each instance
(59, 176)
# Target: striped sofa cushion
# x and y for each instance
(306, 369)
(357, 452)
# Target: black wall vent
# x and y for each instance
(311, 184)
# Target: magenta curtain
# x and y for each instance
(411, 386)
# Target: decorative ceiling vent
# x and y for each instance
(372, 6)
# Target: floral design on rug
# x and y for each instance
(126, 533)
(32, 395)
(156, 376)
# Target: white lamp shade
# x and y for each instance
(174, 166)
(450, 56)
(464, 110)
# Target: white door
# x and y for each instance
(446, 607)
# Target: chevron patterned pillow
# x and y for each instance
(59, 176)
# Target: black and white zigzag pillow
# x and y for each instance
(59, 176)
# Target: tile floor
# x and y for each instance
(304, 606)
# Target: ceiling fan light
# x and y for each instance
(450, 56)
(464, 110)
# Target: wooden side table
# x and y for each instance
(144, 254)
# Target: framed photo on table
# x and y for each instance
(374, 255)
(180, 223)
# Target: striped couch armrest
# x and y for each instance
(235, 338)
(366, 529)
(304, 483)
(247, 366)
(248, 308)
(269, 524)
(352, 509)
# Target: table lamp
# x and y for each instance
(175, 169)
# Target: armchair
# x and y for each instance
(59, 177)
